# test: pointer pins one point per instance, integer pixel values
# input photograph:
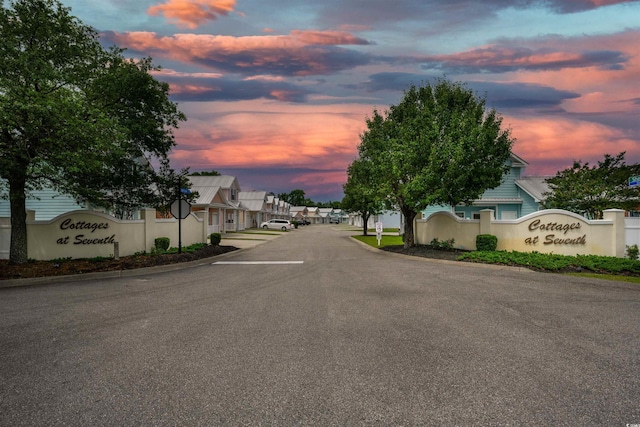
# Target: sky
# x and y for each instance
(277, 92)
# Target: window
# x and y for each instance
(460, 215)
(234, 194)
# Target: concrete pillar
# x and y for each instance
(149, 217)
(618, 238)
(204, 217)
(486, 216)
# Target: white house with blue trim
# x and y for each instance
(516, 196)
(46, 203)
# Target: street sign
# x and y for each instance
(180, 209)
(379, 231)
(634, 181)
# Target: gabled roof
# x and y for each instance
(252, 195)
(518, 161)
(253, 205)
(223, 181)
(297, 208)
(535, 186)
(206, 195)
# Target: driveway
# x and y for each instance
(311, 328)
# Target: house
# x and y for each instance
(255, 204)
(313, 215)
(219, 197)
(515, 197)
(47, 204)
(325, 214)
(298, 213)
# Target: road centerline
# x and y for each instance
(256, 262)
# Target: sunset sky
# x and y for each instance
(277, 91)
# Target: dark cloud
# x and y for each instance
(503, 59)
(306, 61)
(499, 95)
(438, 15)
(572, 6)
(521, 95)
(190, 89)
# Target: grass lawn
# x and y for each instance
(385, 241)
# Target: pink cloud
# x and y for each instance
(551, 144)
(192, 13)
(328, 37)
(300, 53)
(266, 134)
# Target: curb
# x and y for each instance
(444, 261)
(46, 280)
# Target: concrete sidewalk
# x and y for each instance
(248, 238)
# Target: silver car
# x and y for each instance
(279, 224)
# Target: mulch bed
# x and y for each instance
(426, 252)
(79, 266)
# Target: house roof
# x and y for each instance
(254, 205)
(252, 195)
(297, 208)
(223, 181)
(205, 194)
(535, 186)
(518, 161)
(497, 201)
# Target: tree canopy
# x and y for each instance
(78, 118)
(438, 145)
(360, 196)
(205, 173)
(589, 190)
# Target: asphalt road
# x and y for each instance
(344, 336)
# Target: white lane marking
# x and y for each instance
(256, 262)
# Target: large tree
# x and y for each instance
(360, 196)
(438, 145)
(589, 190)
(77, 117)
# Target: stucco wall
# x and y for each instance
(88, 234)
(548, 231)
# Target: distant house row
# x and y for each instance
(316, 215)
(231, 209)
(228, 207)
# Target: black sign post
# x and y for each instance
(180, 209)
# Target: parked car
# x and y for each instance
(334, 221)
(304, 222)
(279, 224)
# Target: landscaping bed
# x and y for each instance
(64, 267)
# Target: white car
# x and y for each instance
(279, 224)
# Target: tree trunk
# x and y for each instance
(409, 216)
(17, 201)
(365, 218)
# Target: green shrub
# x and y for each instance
(445, 244)
(215, 238)
(632, 252)
(162, 243)
(486, 242)
(555, 262)
(295, 223)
